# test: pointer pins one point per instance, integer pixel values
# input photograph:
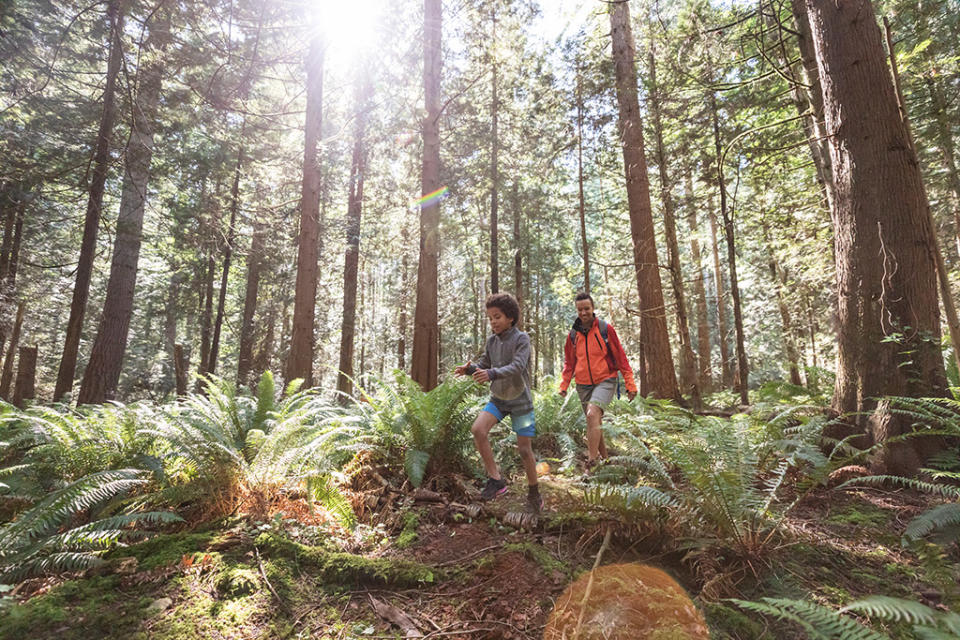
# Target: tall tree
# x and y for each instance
(102, 374)
(426, 332)
(91, 223)
(300, 357)
(351, 257)
(581, 199)
(494, 166)
(254, 265)
(700, 294)
(688, 375)
(888, 314)
(661, 376)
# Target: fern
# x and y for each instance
(323, 489)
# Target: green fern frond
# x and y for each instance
(935, 519)
(323, 490)
(820, 622)
(944, 490)
(265, 395)
(415, 464)
(893, 609)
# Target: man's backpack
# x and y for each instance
(611, 360)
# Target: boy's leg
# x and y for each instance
(525, 445)
(480, 430)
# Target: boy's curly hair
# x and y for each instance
(507, 304)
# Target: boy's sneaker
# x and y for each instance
(534, 504)
(493, 488)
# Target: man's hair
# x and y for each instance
(507, 304)
(583, 295)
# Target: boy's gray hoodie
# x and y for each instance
(507, 358)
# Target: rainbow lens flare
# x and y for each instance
(431, 199)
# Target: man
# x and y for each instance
(593, 356)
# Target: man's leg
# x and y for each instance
(480, 430)
(594, 434)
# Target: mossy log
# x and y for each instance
(347, 568)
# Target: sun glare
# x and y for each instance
(349, 26)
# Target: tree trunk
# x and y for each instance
(7, 376)
(582, 200)
(206, 320)
(254, 262)
(742, 371)
(653, 322)
(494, 172)
(947, 150)
(102, 374)
(26, 377)
(404, 289)
(517, 256)
(426, 332)
(351, 257)
(688, 376)
(726, 373)
(300, 356)
(778, 278)
(700, 294)
(227, 254)
(180, 367)
(809, 98)
(91, 224)
(889, 319)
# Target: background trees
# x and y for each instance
(512, 113)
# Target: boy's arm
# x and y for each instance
(482, 363)
(621, 358)
(569, 363)
(519, 362)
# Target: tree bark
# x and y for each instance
(426, 332)
(254, 262)
(688, 376)
(206, 320)
(778, 278)
(947, 150)
(517, 256)
(404, 289)
(808, 97)
(351, 257)
(91, 224)
(889, 319)
(700, 294)
(180, 367)
(582, 199)
(26, 377)
(102, 373)
(655, 340)
(7, 376)
(300, 356)
(494, 171)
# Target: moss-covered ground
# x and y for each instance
(460, 576)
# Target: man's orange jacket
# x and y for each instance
(589, 361)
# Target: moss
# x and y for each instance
(236, 581)
(729, 623)
(863, 515)
(834, 595)
(569, 518)
(411, 521)
(539, 554)
(75, 610)
(164, 550)
(347, 568)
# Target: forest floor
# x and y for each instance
(426, 568)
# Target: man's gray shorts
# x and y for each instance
(599, 394)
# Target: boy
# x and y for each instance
(505, 365)
(594, 356)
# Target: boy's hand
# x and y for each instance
(481, 375)
(631, 395)
(462, 369)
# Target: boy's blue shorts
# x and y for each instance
(523, 425)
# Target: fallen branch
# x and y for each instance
(586, 593)
(396, 616)
(263, 574)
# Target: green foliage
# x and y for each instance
(70, 528)
(719, 478)
(430, 429)
(559, 421)
(824, 623)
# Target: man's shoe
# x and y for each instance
(493, 488)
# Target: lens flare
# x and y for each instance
(431, 198)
